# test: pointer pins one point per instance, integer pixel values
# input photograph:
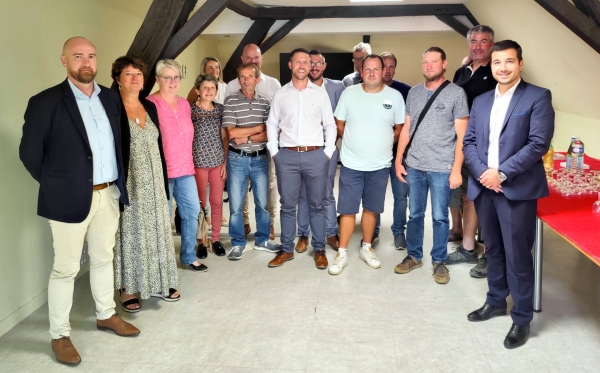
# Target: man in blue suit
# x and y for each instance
(71, 146)
(509, 131)
(334, 90)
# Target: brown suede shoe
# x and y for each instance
(281, 258)
(247, 230)
(320, 259)
(302, 244)
(408, 264)
(65, 351)
(272, 235)
(118, 325)
(334, 242)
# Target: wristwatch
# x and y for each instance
(249, 140)
(501, 176)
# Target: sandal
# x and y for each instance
(170, 298)
(453, 236)
(129, 302)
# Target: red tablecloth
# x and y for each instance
(572, 218)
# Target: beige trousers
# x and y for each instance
(273, 195)
(99, 229)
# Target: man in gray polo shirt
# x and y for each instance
(433, 161)
(244, 116)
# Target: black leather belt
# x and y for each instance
(248, 153)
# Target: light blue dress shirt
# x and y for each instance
(100, 135)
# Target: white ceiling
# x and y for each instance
(231, 23)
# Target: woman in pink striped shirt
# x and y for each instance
(177, 131)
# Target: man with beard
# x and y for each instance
(334, 89)
(433, 160)
(299, 124)
(71, 146)
(475, 78)
(369, 117)
(266, 87)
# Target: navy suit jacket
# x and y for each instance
(524, 140)
(334, 89)
(56, 152)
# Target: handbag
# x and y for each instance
(423, 112)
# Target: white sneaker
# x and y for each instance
(368, 256)
(338, 265)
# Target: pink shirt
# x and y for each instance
(177, 131)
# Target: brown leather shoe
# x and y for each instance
(281, 258)
(65, 351)
(334, 242)
(302, 244)
(272, 235)
(118, 325)
(321, 259)
(247, 230)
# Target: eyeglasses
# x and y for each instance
(169, 79)
(358, 59)
(317, 64)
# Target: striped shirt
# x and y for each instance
(239, 111)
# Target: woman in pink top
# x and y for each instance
(177, 131)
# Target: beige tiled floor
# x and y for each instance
(242, 317)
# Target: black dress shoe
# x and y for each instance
(218, 249)
(200, 268)
(485, 313)
(202, 252)
(517, 336)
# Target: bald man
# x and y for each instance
(71, 146)
(266, 87)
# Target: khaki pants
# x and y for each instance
(273, 195)
(99, 228)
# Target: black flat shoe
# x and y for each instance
(200, 268)
(485, 313)
(129, 302)
(517, 336)
(218, 249)
(202, 251)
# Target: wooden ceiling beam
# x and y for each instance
(279, 34)
(454, 24)
(575, 20)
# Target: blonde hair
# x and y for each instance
(207, 60)
(171, 64)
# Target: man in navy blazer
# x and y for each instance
(71, 146)
(334, 90)
(509, 131)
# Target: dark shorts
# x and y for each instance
(368, 186)
(456, 201)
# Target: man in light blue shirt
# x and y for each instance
(369, 117)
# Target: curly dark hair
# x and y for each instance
(122, 62)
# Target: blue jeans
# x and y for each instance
(329, 204)
(419, 183)
(400, 192)
(184, 190)
(239, 169)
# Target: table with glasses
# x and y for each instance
(568, 211)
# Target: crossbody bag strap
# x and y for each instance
(423, 112)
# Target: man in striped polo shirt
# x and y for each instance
(244, 115)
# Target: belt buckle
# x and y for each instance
(305, 149)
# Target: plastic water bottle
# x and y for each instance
(577, 154)
(569, 164)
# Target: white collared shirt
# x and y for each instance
(497, 119)
(266, 87)
(301, 118)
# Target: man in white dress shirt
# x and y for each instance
(266, 87)
(300, 123)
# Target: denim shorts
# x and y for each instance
(368, 186)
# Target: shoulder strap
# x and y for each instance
(423, 112)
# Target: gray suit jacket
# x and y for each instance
(334, 89)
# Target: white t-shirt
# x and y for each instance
(369, 130)
(266, 87)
